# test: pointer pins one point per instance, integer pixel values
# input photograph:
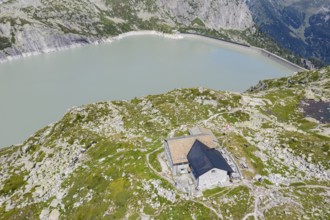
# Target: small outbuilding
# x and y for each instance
(208, 166)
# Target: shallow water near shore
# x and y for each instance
(38, 90)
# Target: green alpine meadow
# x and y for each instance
(104, 160)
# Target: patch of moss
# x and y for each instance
(4, 43)
(154, 160)
(298, 184)
(308, 144)
(198, 22)
(28, 212)
(238, 207)
(186, 210)
(239, 147)
(211, 192)
(306, 125)
(286, 211)
(314, 204)
(14, 182)
(237, 116)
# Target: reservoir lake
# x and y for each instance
(38, 90)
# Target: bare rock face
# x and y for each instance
(215, 14)
(34, 26)
(40, 39)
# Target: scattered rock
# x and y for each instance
(44, 213)
(54, 215)
(54, 203)
(29, 165)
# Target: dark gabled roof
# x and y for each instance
(202, 159)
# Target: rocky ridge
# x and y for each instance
(92, 163)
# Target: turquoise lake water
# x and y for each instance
(38, 90)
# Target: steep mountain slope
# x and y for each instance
(33, 26)
(40, 25)
(214, 14)
(101, 160)
(301, 26)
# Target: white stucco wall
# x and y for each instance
(212, 178)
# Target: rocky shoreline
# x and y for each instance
(74, 41)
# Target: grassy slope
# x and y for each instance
(113, 179)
